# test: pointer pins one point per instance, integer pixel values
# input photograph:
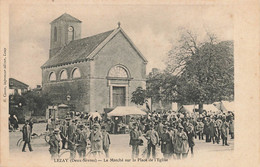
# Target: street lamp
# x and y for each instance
(68, 100)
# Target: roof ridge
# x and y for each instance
(93, 35)
(66, 15)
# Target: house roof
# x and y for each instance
(85, 49)
(13, 83)
(66, 17)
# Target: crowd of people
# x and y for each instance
(173, 132)
(76, 135)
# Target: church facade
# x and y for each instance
(91, 73)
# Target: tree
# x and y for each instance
(34, 102)
(139, 96)
(204, 71)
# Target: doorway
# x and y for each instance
(119, 96)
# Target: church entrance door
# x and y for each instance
(119, 96)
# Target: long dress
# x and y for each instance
(181, 143)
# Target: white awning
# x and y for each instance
(126, 110)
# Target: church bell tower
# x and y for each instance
(64, 29)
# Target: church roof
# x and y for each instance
(85, 49)
(66, 17)
(77, 50)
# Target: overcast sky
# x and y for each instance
(150, 27)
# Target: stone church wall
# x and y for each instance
(77, 88)
(117, 51)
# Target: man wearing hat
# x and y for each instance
(54, 143)
(152, 140)
(199, 128)
(71, 137)
(191, 134)
(96, 138)
(27, 132)
(224, 131)
(81, 141)
(63, 133)
(106, 141)
(166, 143)
(134, 140)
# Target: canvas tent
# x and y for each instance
(230, 106)
(188, 108)
(225, 106)
(126, 110)
(210, 107)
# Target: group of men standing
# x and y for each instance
(176, 134)
(171, 141)
(77, 136)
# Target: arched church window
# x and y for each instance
(118, 72)
(63, 75)
(52, 76)
(76, 73)
(55, 34)
(70, 33)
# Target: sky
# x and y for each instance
(152, 28)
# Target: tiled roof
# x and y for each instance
(77, 50)
(66, 17)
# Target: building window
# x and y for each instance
(118, 72)
(76, 73)
(55, 34)
(63, 75)
(70, 33)
(52, 76)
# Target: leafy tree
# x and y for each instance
(204, 71)
(160, 87)
(139, 96)
(37, 103)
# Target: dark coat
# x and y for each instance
(206, 129)
(224, 129)
(63, 131)
(71, 130)
(81, 140)
(27, 132)
(166, 146)
(191, 136)
(134, 137)
(231, 127)
(212, 129)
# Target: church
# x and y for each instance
(93, 73)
